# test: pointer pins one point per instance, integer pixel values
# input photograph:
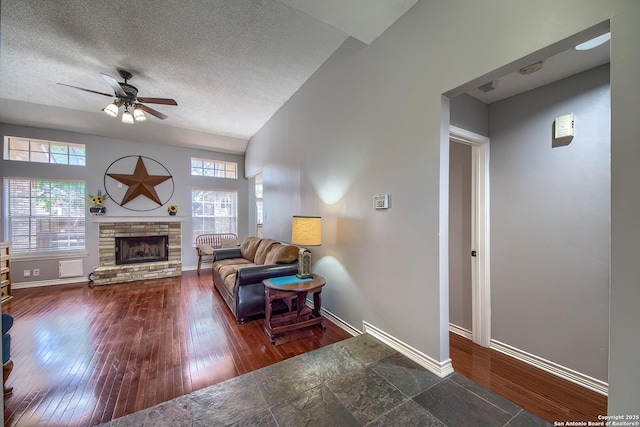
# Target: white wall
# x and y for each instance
(101, 152)
(369, 122)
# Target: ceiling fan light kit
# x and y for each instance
(138, 115)
(111, 109)
(127, 117)
(126, 96)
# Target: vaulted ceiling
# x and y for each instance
(229, 64)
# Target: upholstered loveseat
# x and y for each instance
(238, 273)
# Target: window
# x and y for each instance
(213, 211)
(214, 168)
(39, 151)
(44, 217)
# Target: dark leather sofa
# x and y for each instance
(238, 274)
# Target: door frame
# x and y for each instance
(480, 233)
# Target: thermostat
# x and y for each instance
(564, 126)
(381, 201)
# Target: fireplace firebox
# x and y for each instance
(133, 250)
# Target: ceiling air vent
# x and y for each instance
(488, 87)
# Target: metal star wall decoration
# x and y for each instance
(140, 183)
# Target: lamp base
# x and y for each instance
(304, 264)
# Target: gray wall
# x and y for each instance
(101, 152)
(460, 302)
(550, 223)
(468, 113)
(370, 121)
(624, 334)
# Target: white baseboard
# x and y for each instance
(553, 368)
(53, 282)
(335, 319)
(441, 369)
(563, 372)
(459, 330)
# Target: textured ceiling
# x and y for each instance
(230, 64)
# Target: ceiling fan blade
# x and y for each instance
(114, 85)
(166, 101)
(151, 111)
(87, 90)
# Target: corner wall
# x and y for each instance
(550, 223)
(624, 334)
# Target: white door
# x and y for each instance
(479, 248)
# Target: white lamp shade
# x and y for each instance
(111, 109)
(138, 114)
(306, 230)
(127, 117)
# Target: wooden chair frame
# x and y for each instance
(214, 240)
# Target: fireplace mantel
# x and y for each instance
(108, 218)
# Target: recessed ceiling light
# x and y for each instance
(530, 69)
(590, 44)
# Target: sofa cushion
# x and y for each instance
(283, 254)
(263, 250)
(249, 247)
(227, 270)
(231, 261)
(229, 243)
(205, 248)
(230, 282)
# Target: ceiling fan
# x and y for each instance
(126, 96)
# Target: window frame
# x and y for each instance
(214, 168)
(54, 152)
(199, 222)
(30, 226)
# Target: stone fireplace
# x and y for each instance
(138, 250)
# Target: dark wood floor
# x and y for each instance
(85, 355)
(533, 389)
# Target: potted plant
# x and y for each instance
(172, 209)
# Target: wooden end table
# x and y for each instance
(288, 289)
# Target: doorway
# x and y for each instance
(470, 297)
(259, 205)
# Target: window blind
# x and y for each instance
(44, 216)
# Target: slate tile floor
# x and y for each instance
(356, 382)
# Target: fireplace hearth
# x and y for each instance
(134, 250)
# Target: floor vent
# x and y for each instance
(70, 268)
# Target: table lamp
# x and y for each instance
(307, 231)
